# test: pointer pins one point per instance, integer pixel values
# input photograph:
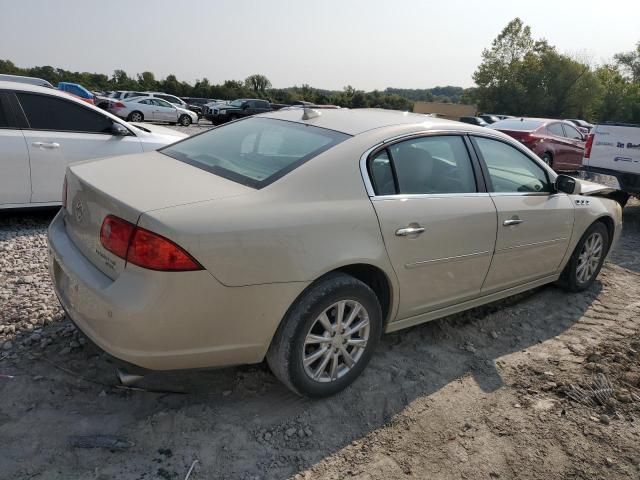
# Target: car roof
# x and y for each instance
(359, 120)
(52, 92)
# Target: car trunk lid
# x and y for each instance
(127, 187)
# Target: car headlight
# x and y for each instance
(222, 112)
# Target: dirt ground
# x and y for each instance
(481, 395)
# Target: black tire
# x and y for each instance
(570, 279)
(285, 355)
(547, 158)
(185, 120)
(233, 117)
(135, 117)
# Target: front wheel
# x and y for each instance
(185, 120)
(587, 259)
(327, 338)
(136, 117)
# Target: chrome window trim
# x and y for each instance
(409, 196)
(462, 132)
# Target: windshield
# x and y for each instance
(521, 124)
(236, 103)
(254, 151)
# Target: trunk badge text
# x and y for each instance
(78, 210)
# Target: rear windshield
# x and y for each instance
(255, 151)
(517, 124)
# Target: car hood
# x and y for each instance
(591, 188)
(187, 111)
(151, 129)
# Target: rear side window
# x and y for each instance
(555, 129)
(4, 116)
(50, 113)
(381, 174)
(255, 151)
(432, 165)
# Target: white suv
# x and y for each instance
(43, 130)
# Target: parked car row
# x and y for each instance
(152, 108)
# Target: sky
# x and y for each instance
(369, 44)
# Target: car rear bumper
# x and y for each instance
(166, 320)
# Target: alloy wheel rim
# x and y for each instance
(135, 117)
(336, 341)
(589, 257)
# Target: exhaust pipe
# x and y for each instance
(128, 379)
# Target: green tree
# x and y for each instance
(630, 63)
(257, 83)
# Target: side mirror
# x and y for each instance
(567, 184)
(245, 106)
(119, 130)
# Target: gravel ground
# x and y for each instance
(485, 394)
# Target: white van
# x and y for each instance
(612, 156)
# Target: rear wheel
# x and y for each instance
(587, 259)
(548, 159)
(328, 336)
(135, 117)
(185, 120)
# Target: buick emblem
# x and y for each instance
(78, 210)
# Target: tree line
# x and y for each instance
(520, 75)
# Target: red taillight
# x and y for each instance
(115, 235)
(64, 192)
(155, 252)
(588, 145)
(144, 248)
(117, 105)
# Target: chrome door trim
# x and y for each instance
(535, 244)
(422, 263)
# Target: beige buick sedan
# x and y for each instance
(301, 236)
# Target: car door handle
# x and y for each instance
(512, 221)
(46, 144)
(403, 232)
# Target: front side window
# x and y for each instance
(510, 170)
(255, 151)
(431, 165)
(162, 103)
(50, 113)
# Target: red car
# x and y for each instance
(557, 142)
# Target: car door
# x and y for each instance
(166, 112)
(15, 174)
(147, 107)
(437, 220)
(560, 147)
(575, 148)
(534, 222)
(60, 131)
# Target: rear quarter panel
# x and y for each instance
(313, 220)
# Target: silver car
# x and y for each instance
(300, 236)
(153, 109)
